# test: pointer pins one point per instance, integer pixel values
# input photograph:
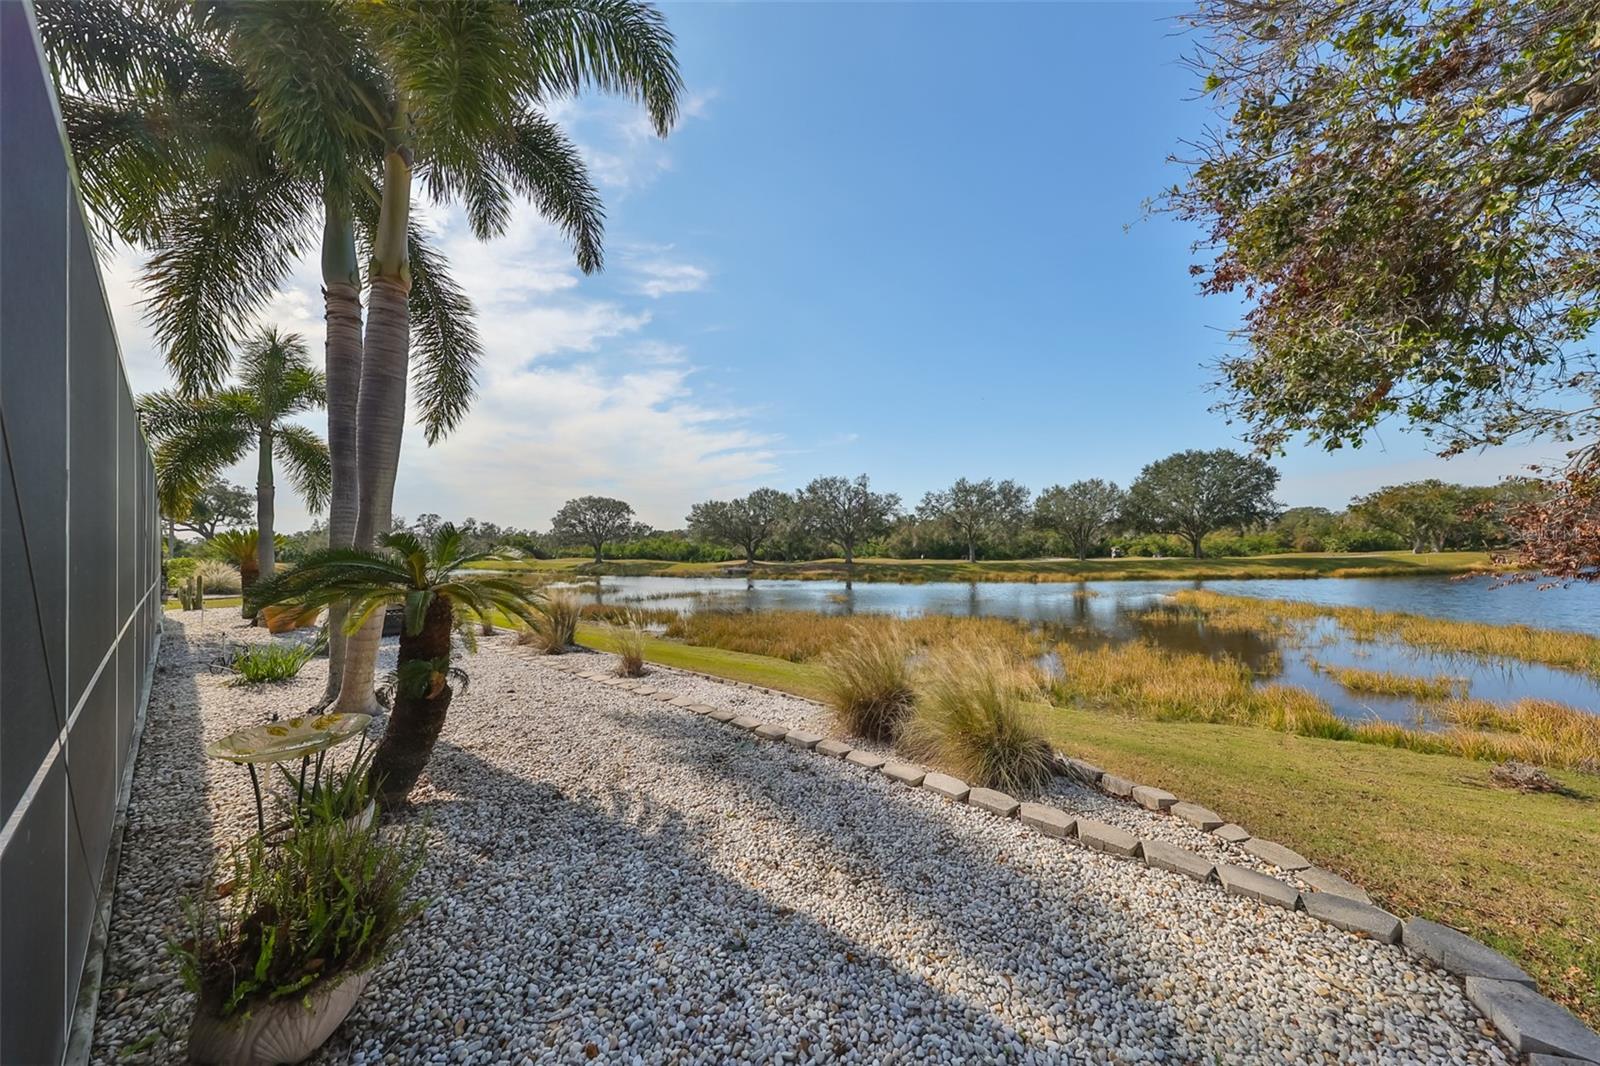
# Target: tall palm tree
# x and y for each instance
(323, 99)
(196, 438)
(174, 158)
(464, 84)
(428, 578)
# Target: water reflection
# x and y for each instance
(1095, 613)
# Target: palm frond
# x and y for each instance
(112, 46)
(445, 342)
(306, 461)
(548, 169)
(197, 444)
(615, 46)
(223, 257)
(318, 92)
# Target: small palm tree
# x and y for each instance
(428, 579)
(196, 438)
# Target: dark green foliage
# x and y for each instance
(323, 903)
(1404, 195)
(255, 664)
(1194, 492)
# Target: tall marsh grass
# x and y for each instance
(972, 718)
(1147, 681)
(801, 636)
(1541, 732)
(1570, 651)
(868, 682)
(1389, 683)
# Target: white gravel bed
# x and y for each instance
(618, 880)
(1075, 799)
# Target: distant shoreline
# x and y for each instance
(922, 571)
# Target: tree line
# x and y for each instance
(1216, 503)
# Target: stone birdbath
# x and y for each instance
(280, 742)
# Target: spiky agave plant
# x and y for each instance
(428, 579)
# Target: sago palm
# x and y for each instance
(196, 438)
(241, 547)
(427, 577)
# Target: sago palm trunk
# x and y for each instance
(418, 716)
(266, 553)
(381, 405)
(341, 303)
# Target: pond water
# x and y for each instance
(1111, 610)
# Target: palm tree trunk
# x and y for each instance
(418, 717)
(266, 553)
(341, 304)
(381, 405)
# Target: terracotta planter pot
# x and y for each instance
(283, 619)
(279, 1032)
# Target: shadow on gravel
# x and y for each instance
(142, 1013)
(563, 907)
(954, 911)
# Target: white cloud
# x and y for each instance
(617, 141)
(657, 278)
(551, 421)
(541, 435)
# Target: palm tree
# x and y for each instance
(428, 578)
(242, 548)
(174, 159)
(196, 438)
(472, 128)
(338, 104)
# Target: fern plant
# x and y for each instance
(309, 910)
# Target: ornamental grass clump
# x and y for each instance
(288, 919)
(630, 649)
(867, 682)
(555, 625)
(972, 718)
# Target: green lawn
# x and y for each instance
(1426, 834)
(212, 603)
(1294, 565)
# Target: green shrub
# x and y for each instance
(181, 571)
(868, 681)
(323, 903)
(971, 720)
(255, 664)
(557, 629)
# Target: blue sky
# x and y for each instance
(893, 238)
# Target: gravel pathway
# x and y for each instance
(618, 880)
